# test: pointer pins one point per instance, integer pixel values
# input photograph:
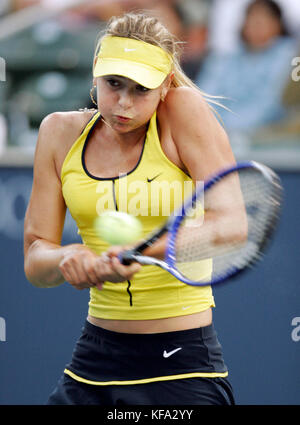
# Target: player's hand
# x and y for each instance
(80, 267)
(83, 268)
(118, 272)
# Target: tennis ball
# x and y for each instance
(118, 228)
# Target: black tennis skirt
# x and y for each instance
(103, 357)
(173, 368)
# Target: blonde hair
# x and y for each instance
(144, 26)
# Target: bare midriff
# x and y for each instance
(170, 324)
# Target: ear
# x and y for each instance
(169, 79)
(166, 86)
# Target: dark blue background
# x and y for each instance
(253, 316)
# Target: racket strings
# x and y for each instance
(244, 207)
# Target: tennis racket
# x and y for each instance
(221, 230)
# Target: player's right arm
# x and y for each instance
(46, 262)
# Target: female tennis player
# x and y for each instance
(148, 338)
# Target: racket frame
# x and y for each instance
(173, 223)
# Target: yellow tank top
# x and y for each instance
(150, 191)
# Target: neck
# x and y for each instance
(130, 138)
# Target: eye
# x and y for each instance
(113, 82)
(142, 89)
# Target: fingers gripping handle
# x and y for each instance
(126, 257)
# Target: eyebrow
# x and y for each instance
(122, 79)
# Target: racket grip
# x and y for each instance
(126, 257)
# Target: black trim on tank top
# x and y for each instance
(107, 178)
(129, 293)
(114, 194)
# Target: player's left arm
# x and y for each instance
(204, 149)
(201, 141)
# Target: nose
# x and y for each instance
(125, 99)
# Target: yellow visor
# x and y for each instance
(142, 62)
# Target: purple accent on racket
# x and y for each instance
(221, 230)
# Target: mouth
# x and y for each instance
(123, 119)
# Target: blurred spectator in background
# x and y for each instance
(104, 11)
(194, 17)
(225, 21)
(291, 9)
(227, 15)
(255, 75)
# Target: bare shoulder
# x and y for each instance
(184, 103)
(57, 132)
(188, 114)
(195, 131)
(186, 111)
(184, 94)
(65, 125)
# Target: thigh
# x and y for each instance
(71, 392)
(191, 391)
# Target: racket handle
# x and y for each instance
(126, 257)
